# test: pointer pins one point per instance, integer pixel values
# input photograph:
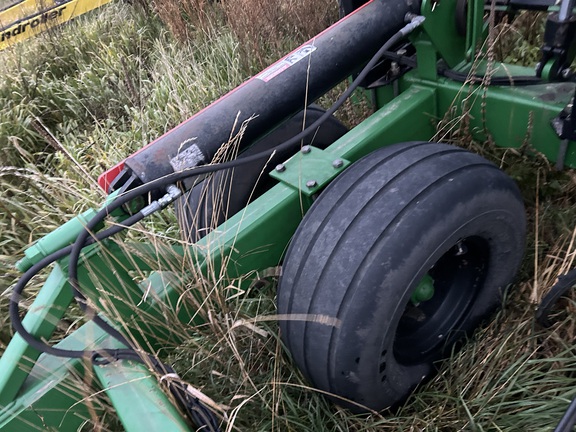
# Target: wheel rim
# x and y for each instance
(427, 328)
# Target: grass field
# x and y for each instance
(78, 100)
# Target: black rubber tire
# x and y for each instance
(213, 200)
(394, 216)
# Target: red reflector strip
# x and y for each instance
(105, 179)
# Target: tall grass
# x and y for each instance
(264, 29)
(79, 100)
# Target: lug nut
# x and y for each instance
(461, 249)
(311, 183)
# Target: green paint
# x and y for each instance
(56, 240)
(440, 30)
(142, 281)
(141, 405)
(309, 170)
(424, 291)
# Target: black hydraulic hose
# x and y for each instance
(559, 289)
(163, 182)
(28, 275)
(564, 284)
(568, 420)
(83, 240)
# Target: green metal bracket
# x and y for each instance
(41, 320)
(427, 58)
(48, 398)
(476, 29)
(50, 395)
(440, 28)
(310, 170)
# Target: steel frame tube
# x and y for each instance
(275, 94)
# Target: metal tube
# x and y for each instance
(278, 92)
(566, 8)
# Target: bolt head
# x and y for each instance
(306, 149)
(566, 73)
(311, 183)
(280, 168)
(338, 163)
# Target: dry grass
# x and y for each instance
(262, 28)
(512, 376)
(186, 18)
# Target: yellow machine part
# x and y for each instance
(22, 19)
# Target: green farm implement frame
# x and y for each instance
(426, 83)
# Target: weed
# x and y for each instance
(262, 28)
(74, 105)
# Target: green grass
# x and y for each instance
(78, 100)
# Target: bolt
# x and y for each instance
(311, 183)
(338, 163)
(306, 149)
(566, 73)
(401, 52)
(280, 168)
(462, 249)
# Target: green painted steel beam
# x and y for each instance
(54, 396)
(409, 117)
(250, 241)
(140, 404)
(41, 320)
(507, 116)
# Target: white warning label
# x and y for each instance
(288, 61)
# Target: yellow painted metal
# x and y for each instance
(29, 18)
